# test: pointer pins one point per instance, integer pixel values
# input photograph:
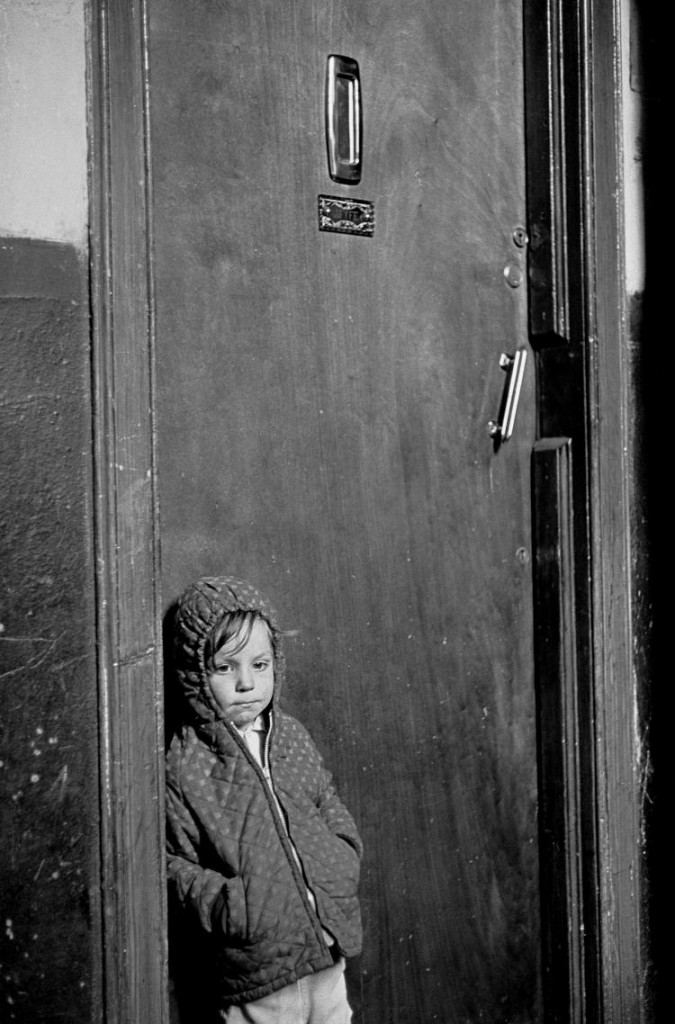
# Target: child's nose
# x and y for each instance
(245, 680)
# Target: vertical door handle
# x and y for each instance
(514, 366)
(344, 120)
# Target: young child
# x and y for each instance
(260, 847)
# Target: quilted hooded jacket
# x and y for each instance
(229, 856)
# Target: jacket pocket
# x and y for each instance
(230, 911)
(331, 861)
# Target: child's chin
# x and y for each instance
(244, 716)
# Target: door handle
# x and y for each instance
(344, 120)
(514, 366)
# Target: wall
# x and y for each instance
(49, 875)
(647, 189)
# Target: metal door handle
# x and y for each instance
(343, 119)
(502, 428)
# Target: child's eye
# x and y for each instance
(223, 669)
(261, 665)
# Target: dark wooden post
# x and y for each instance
(591, 738)
(134, 915)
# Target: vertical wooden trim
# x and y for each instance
(621, 749)
(585, 392)
(134, 934)
(560, 809)
(555, 75)
(552, 83)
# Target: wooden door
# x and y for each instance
(323, 404)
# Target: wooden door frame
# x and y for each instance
(134, 939)
(585, 558)
(588, 515)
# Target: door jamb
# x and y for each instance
(591, 727)
(134, 939)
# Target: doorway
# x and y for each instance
(324, 401)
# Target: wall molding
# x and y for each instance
(558, 740)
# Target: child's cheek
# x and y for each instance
(220, 692)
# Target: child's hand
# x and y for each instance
(228, 913)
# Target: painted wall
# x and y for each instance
(43, 159)
(49, 852)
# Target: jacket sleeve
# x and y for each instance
(217, 900)
(334, 812)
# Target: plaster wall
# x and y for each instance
(50, 929)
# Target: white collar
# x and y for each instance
(257, 725)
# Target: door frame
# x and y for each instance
(134, 915)
(586, 542)
(589, 534)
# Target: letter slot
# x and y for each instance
(344, 125)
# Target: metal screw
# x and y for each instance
(519, 236)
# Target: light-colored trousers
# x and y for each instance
(316, 999)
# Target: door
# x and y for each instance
(328, 362)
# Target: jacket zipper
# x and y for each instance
(282, 829)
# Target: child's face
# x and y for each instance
(242, 682)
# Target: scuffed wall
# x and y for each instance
(48, 717)
(49, 805)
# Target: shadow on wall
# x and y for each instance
(190, 980)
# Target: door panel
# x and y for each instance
(323, 402)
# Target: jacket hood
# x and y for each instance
(198, 611)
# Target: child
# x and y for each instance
(260, 847)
